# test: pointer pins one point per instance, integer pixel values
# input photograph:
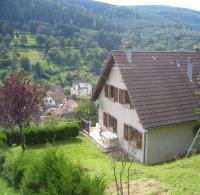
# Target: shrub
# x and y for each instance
(44, 134)
(12, 137)
(13, 168)
(2, 138)
(56, 174)
(2, 159)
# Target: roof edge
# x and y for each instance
(106, 70)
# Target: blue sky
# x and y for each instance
(192, 4)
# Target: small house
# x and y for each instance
(148, 100)
(81, 88)
(55, 96)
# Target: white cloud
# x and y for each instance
(192, 4)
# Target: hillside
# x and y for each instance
(58, 41)
(177, 177)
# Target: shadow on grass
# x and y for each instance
(71, 141)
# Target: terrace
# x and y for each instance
(105, 139)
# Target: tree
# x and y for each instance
(85, 109)
(23, 40)
(7, 40)
(38, 71)
(52, 42)
(25, 63)
(123, 161)
(20, 100)
(41, 39)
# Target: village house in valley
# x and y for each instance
(148, 100)
(55, 96)
(56, 103)
(81, 88)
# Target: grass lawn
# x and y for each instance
(178, 177)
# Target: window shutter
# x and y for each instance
(106, 90)
(126, 132)
(121, 96)
(138, 139)
(114, 120)
(131, 133)
(109, 91)
(127, 99)
(115, 94)
(112, 92)
(105, 119)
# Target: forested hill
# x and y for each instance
(58, 41)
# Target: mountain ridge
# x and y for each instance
(58, 41)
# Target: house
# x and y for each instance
(71, 104)
(81, 88)
(66, 108)
(148, 100)
(55, 96)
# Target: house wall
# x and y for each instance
(122, 113)
(48, 101)
(168, 142)
(82, 89)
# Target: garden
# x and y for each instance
(178, 177)
(53, 158)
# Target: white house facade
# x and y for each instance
(81, 88)
(49, 101)
(122, 113)
(149, 106)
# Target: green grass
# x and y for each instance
(33, 55)
(179, 177)
(5, 189)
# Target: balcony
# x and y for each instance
(105, 139)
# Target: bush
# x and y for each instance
(2, 138)
(2, 159)
(44, 134)
(13, 168)
(12, 137)
(56, 174)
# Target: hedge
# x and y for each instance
(44, 134)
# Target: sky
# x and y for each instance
(191, 4)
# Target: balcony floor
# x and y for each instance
(96, 136)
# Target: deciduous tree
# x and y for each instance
(85, 109)
(19, 101)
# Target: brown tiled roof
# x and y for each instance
(56, 92)
(160, 90)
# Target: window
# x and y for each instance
(131, 134)
(114, 124)
(115, 94)
(106, 90)
(124, 97)
(138, 139)
(126, 132)
(110, 121)
(111, 92)
(105, 116)
(121, 101)
(127, 100)
(118, 95)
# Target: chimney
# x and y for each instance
(189, 68)
(128, 51)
